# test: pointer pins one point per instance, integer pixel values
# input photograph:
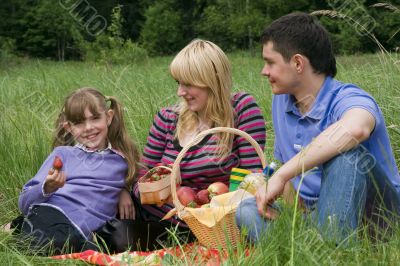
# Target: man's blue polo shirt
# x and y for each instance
(294, 131)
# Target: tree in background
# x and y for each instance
(233, 24)
(165, 27)
(49, 31)
(388, 28)
(42, 28)
(110, 47)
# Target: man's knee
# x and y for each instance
(250, 222)
(246, 212)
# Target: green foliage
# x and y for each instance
(109, 47)
(347, 41)
(241, 28)
(277, 8)
(162, 30)
(42, 28)
(7, 48)
(387, 29)
(213, 26)
(49, 31)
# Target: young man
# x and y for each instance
(332, 132)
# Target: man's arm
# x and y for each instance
(353, 128)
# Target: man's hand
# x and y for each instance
(54, 181)
(126, 207)
(267, 195)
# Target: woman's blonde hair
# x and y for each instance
(74, 111)
(203, 64)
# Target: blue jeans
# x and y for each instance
(347, 195)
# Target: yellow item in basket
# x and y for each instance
(219, 207)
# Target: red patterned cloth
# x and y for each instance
(190, 252)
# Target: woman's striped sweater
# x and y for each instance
(200, 167)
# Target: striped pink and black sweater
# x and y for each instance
(200, 167)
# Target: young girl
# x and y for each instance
(99, 159)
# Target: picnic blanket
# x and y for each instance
(191, 253)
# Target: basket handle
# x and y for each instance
(176, 176)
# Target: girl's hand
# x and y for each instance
(266, 196)
(54, 181)
(126, 207)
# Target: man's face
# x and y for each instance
(282, 75)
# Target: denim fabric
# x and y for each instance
(352, 188)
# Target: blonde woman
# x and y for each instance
(203, 73)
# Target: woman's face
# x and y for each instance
(195, 97)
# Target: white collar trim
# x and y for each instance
(108, 148)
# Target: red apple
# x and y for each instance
(187, 197)
(217, 188)
(203, 197)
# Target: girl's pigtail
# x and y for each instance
(62, 137)
(120, 140)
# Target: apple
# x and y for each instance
(203, 197)
(187, 196)
(217, 188)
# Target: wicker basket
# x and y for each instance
(224, 233)
(155, 192)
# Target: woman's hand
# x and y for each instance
(267, 195)
(126, 207)
(54, 180)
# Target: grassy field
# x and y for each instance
(32, 92)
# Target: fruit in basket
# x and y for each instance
(154, 177)
(157, 173)
(203, 197)
(161, 170)
(217, 188)
(187, 196)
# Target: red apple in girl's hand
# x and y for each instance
(187, 197)
(203, 197)
(217, 188)
(57, 163)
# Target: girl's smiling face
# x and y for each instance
(195, 97)
(92, 130)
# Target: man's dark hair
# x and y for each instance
(300, 33)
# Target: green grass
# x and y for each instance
(31, 93)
